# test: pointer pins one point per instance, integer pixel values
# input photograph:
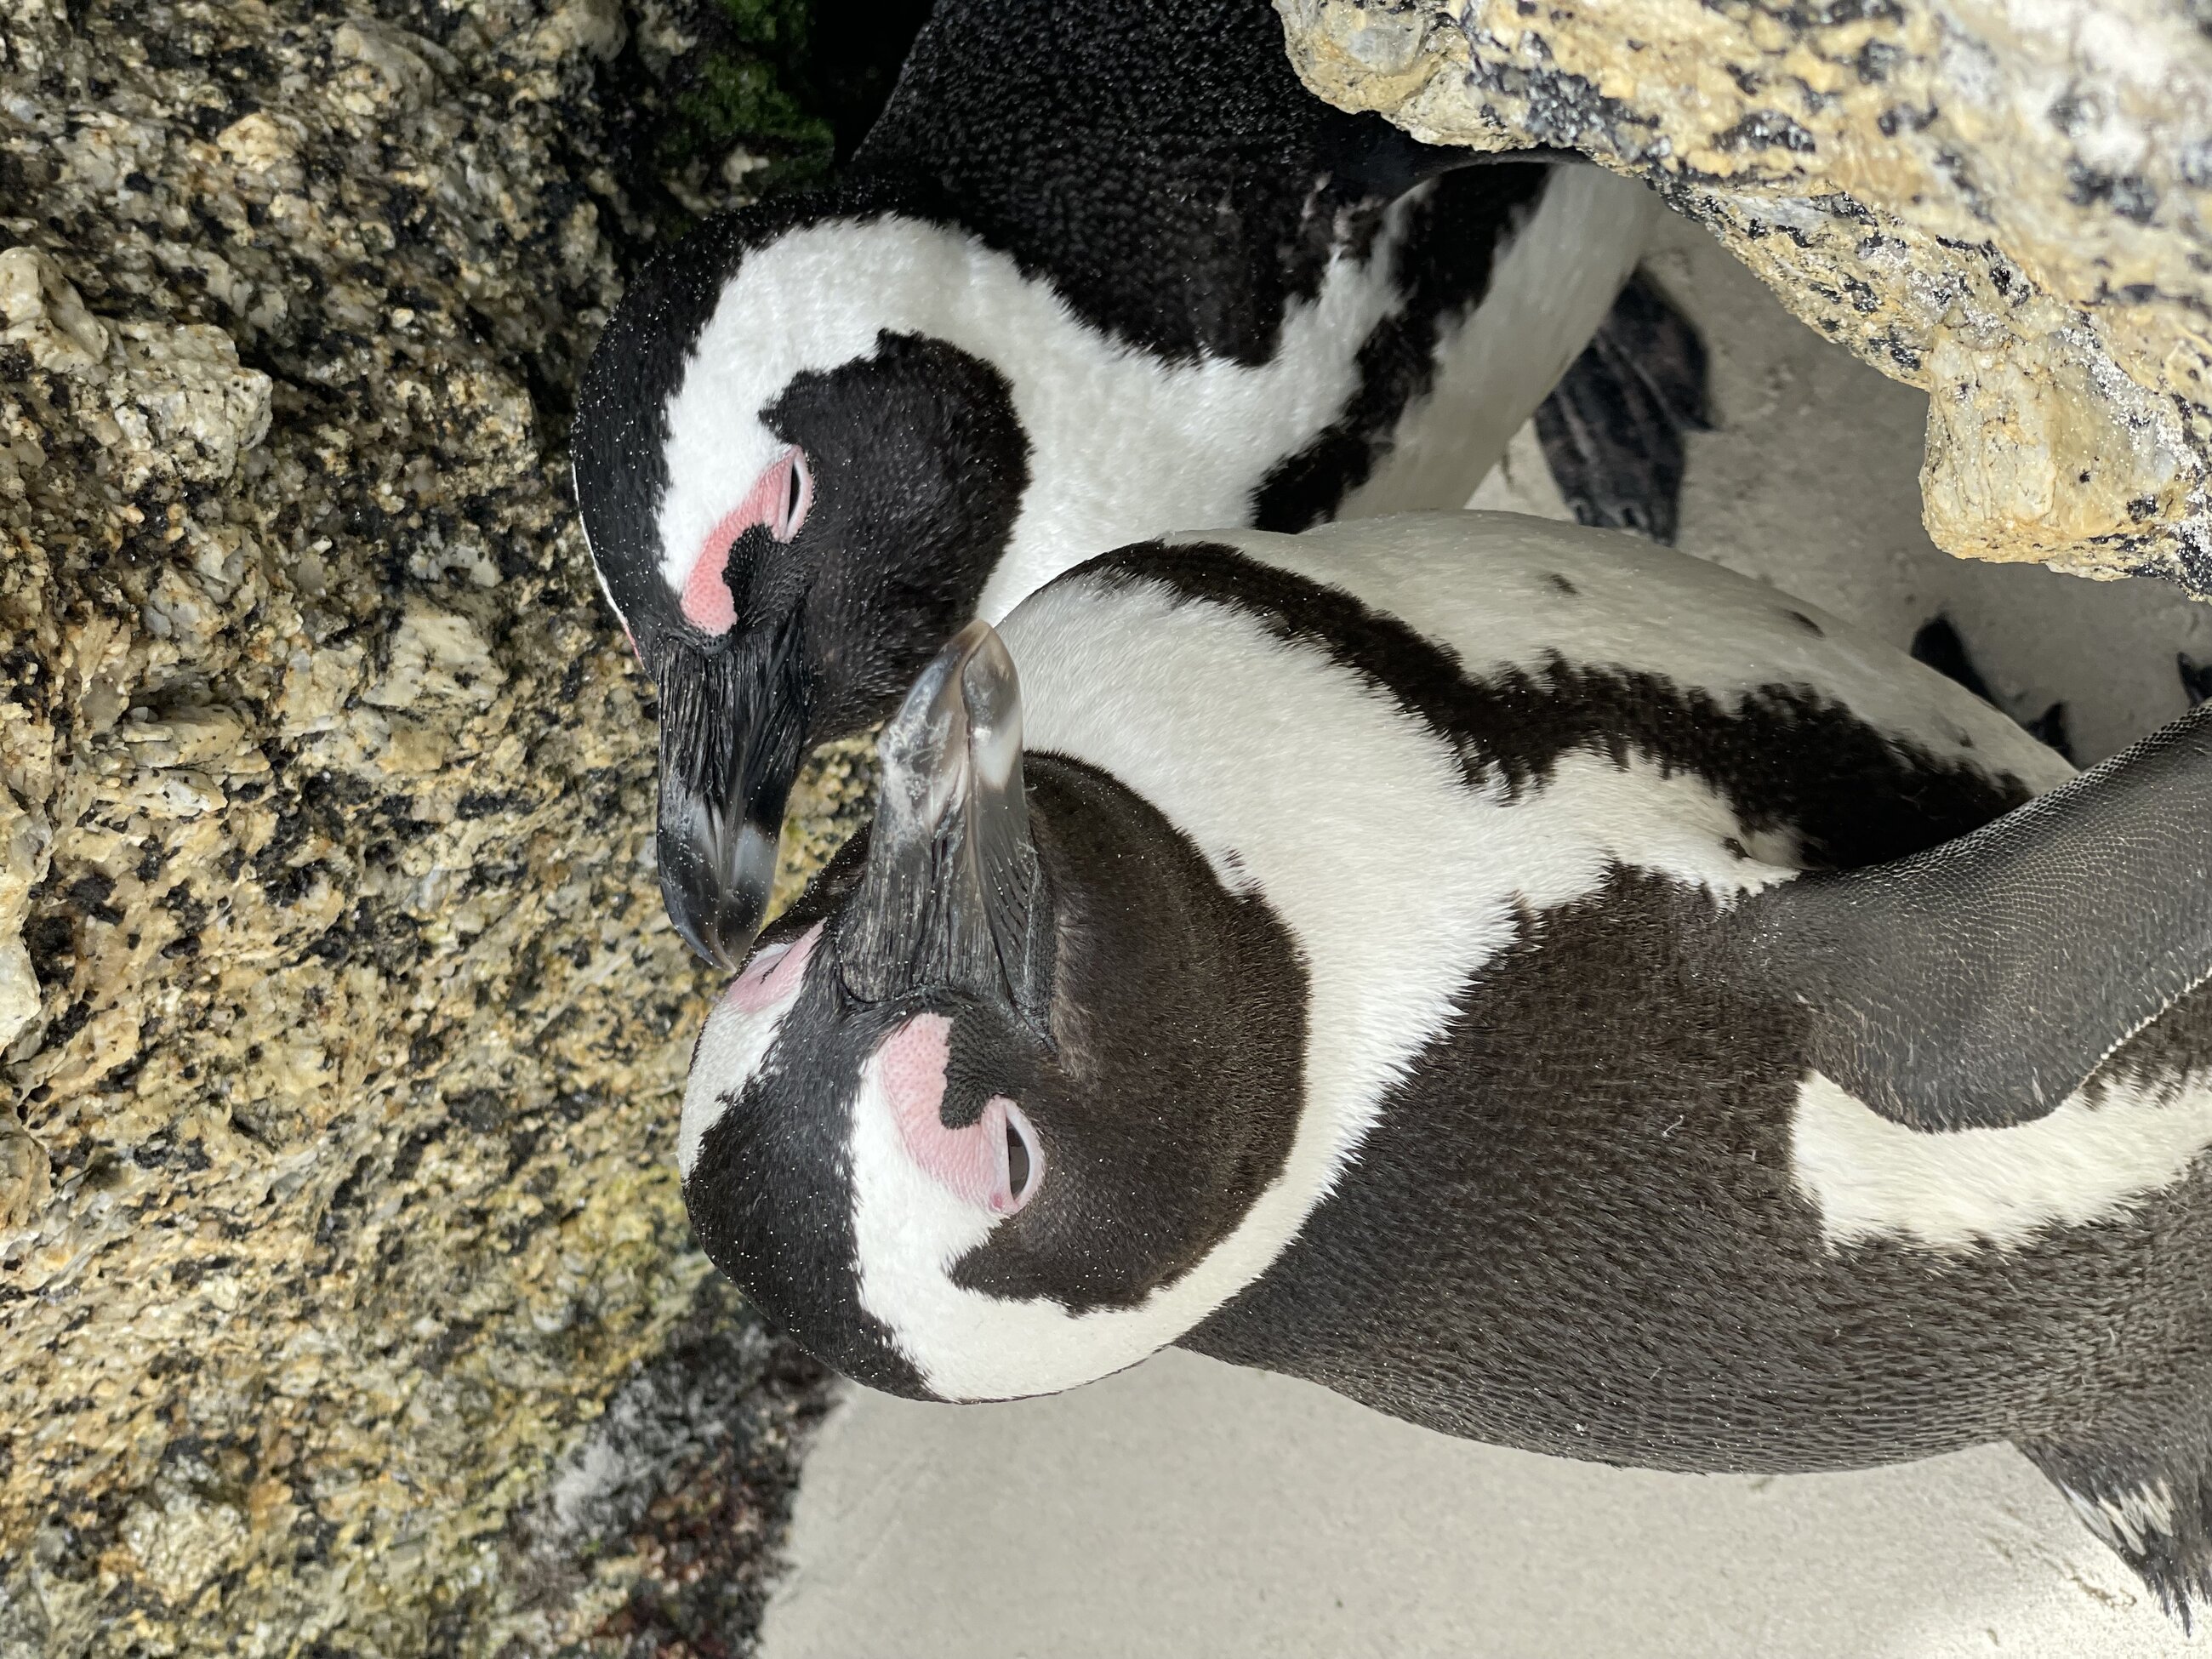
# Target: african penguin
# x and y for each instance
(1102, 268)
(1541, 986)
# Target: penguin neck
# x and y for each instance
(1150, 947)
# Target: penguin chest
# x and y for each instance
(1125, 444)
(1395, 387)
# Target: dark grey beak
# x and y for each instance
(732, 734)
(953, 897)
(716, 868)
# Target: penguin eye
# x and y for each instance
(1025, 1161)
(798, 496)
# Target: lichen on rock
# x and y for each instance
(344, 1030)
(2010, 206)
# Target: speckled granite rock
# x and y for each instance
(2008, 204)
(345, 1033)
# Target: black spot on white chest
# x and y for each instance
(1782, 756)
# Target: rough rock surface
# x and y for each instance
(2009, 204)
(344, 1031)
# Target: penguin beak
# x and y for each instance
(733, 732)
(953, 897)
(717, 866)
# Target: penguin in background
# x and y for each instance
(1539, 985)
(1102, 268)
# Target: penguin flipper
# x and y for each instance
(1612, 429)
(1978, 984)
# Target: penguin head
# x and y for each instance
(794, 492)
(980, 1116)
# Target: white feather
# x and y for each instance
(2105, 1149)
(731, 1049)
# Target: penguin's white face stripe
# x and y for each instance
(2103, 1150)
(778, 500)
(738, 1035)
(1549, 289)
(1485, 584)
(970, 1162)
(1148, 447)
(910, 1224)
(1270, 758)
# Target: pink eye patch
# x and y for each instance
(995, 1163)
(779, 498)
(773, 974)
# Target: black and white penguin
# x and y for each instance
(1102, 269)
(1540, 985)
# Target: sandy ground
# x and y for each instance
(1186, 1508)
